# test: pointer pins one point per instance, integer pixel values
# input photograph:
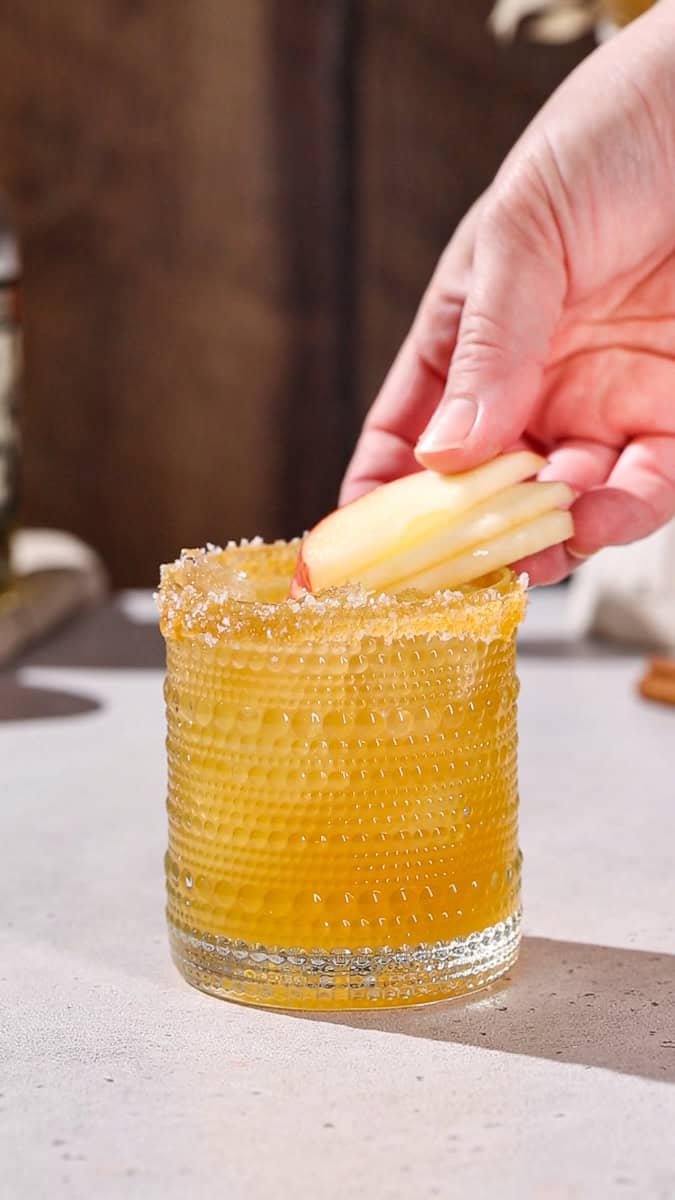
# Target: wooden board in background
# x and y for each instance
(228, 212)
(440, 105)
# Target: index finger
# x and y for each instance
(385, 450)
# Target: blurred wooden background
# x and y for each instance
(228, 211)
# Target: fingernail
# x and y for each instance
(450, 425)
(577, 554)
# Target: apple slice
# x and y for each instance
(534, 535)
(429, 531)
(384, 525)
(491, 519)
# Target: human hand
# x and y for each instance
(550, 320)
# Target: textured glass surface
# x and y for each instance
(342, 785)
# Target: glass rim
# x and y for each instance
(224, 595)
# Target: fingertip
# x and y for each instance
(495, 424)
(548, 567)
(451, 425)
(461, 456)
(447, 461)
(607, 516)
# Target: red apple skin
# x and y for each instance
(301, 581)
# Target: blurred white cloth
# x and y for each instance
(627, 593)
(54, 576)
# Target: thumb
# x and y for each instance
(512, 308)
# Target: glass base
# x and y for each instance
(345, 979)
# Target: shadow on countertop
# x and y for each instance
(566, 1002)
(105, 637)
(22, 702)
(575, 650)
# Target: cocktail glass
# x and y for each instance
(342, 785)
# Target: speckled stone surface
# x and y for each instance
(118, 1080)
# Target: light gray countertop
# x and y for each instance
(118, 1080)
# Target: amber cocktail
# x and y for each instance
(342, 792)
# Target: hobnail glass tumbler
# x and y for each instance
(342, 785)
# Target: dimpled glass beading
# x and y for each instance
(342, 787)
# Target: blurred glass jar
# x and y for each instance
(623, 11)
(10, 371)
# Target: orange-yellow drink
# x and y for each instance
(342, 790)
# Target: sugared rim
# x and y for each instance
(239, 594)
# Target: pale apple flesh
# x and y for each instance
(430, 531)
(492, 518)
(543, 531)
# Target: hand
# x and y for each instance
(550, 320)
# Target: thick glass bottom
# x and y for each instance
(345, 979)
